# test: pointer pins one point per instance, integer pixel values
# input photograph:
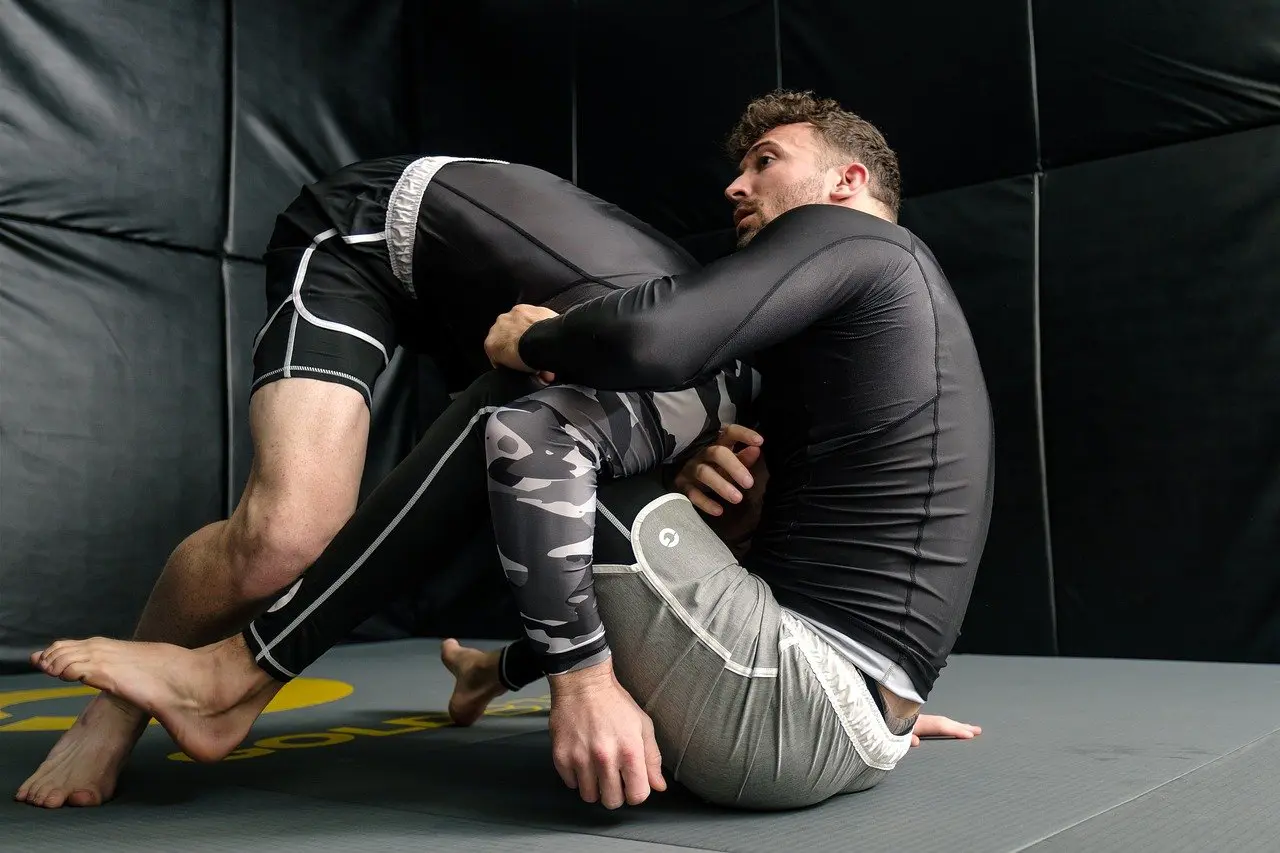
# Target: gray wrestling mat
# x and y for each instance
(1075, 755)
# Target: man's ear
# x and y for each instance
(854, 178)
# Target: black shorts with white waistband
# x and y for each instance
(336, 310)
(424, 252)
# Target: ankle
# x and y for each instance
(236, 667)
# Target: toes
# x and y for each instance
(85, 797)
(54, 799)
(57, 648)
(74, 654)
(86, 673)
(56, 659)
(47, 798)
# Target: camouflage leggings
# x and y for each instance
(545, 453)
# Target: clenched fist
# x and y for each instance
(502, 344)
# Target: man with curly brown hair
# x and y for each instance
(772, 680)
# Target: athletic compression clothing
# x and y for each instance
(424, 252)
(436, 500)
(545, 454)
(430, 250)
(877, 423)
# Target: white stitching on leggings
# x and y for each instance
(324, 596)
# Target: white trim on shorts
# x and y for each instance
(403, 208)
(301, 310)
(843, 683)
(849, 695)
(641, 567)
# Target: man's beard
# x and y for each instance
(807, 191)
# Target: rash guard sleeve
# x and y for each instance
(673, 331)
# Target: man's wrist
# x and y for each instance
(588, 679)
(519, 349)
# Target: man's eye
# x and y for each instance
(762, 161)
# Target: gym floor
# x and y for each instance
(1075, 754)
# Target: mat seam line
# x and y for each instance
(1142, 794)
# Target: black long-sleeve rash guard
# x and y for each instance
(874, 410)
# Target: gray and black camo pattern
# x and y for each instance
(546, 453)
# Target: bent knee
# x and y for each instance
(514, 431)
(270, 550)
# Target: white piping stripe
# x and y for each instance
(262, 333)
(487, 410)
(683, 615)
(264, 654)
(288, 352)
(614, 569)
(364, 238)
(613, 519)
(326, 324)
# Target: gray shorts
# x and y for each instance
(752, 708)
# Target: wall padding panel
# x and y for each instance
(1161, 293)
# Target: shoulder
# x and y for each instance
(832, 225)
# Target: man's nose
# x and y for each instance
(737, 190)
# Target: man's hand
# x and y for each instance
(929, 725)
(602, 742)
(502, 344)
(718, 467)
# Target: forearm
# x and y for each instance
(623, 341)
(670, 332)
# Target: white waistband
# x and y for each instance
(403, 207)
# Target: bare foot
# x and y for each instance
(477, 681)
(83, 766)
(207, 698)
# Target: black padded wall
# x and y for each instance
(147, 148)
(112, 388)
(1160, 324)
(984, 237)
(1102, 185)
(493, 78)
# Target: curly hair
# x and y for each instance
(848, 136)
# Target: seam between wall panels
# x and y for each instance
(1051, 580)
(777, 41)
(24, 219)
(575, 31)
(228, 407)
(1035, 82)
(1037, 188)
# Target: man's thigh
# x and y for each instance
(541, 233)
(750, 708)
(327, 337)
